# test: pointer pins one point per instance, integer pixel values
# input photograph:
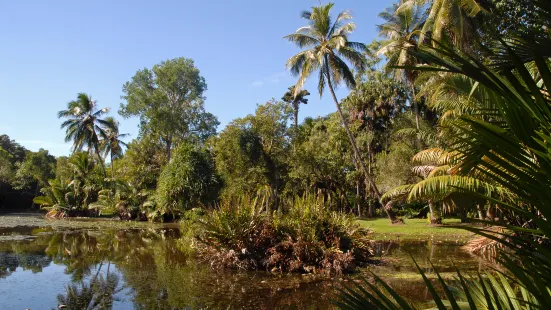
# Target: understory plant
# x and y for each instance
(308, 238)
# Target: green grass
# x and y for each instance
(414, 229)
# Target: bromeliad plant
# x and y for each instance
(515, 155)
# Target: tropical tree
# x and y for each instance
(188, 181)
(168, 99)
(252, 153)
(14, 149)
(373, 106)
(328, 48)
(35, 170)
(295, 100)
(58, 198)
(142, 162)
(447, 20)
(83, 124)
(401, 30)
(6, 167)
(111, 142)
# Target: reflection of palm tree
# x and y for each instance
(97, 294)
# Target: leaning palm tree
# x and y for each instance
(83, 124)
(328, 45)
(111, 142)
(295, 100)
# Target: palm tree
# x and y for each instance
(111, 142)
(83, 124)
(328, 45)
(295, 100)
(448, 20)
(401, 28)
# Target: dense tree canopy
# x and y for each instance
(168, 99)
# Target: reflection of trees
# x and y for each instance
(10, 261)
(157, 275)
(98, 293)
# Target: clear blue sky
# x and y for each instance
(52, 50)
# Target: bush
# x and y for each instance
(188, 181)
(307, 239)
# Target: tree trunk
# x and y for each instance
(102, 163)
(415, 106)
(112, 172)
(480, 212)
(351, 137)
(390, 213)
(358, 206)
(96, 148)
(295, 111)
(371, 208)
(168, 147)
(435, 217)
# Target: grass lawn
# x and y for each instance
(415, 229)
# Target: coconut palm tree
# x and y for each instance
(295, 101)
(83, 124)
(401, 30)
(111, 142)
(328, 48)
(448, 20)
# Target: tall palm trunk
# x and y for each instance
(295, 111)
(351, 137)
(415, 105)
(112, 170)
(96, 150)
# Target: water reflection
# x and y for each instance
(143, 269)
(98, 293)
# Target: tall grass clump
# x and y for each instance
(308, 238)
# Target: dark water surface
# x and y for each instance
(41, 268)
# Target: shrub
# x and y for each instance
(188, 181)
(307, 239)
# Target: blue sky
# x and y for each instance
(52, 50)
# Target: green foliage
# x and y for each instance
(13, 148)
(394, 167)
(251, 152)
(37, 168)
(72, 195)
(6, 167)
(294, 100)
(322, 159)
(187, 182)
(142, 163)
(169, 101)
(84, 124)
(59, 198)
(309, 238)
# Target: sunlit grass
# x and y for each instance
(414, 229)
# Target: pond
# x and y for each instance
(42, 267)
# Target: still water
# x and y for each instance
(43, 268)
